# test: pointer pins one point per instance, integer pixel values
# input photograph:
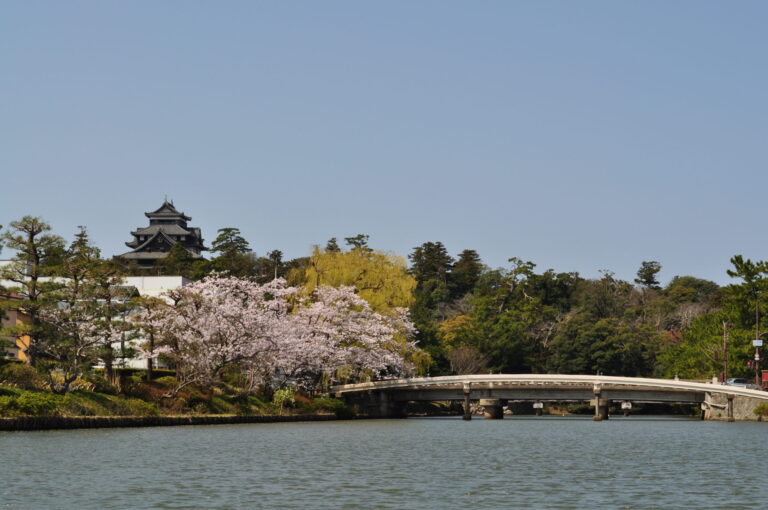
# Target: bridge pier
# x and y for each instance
(386, 398)
(492, 408)
(601, 408)
(467, 411)
(729, 408)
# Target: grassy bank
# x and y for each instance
(17, 403)
(23, 394)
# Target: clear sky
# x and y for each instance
(578, 135)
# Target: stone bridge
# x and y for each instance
(388, 398)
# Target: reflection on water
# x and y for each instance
(425, 463)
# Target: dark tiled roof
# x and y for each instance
(148, 255)
(167, 210)
(166, 227)
(173, 230)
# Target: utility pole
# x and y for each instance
(726, 327)
(757, 343)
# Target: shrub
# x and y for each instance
(21, 376)
(219, 405)
(38, 404)
(284, 397)
(247, 404)
(134, 407)
(762, 409)
(8, 406)
(334, 405)
(10, 392)
(326, 404)
(168, 381)
(80, 406)
(99, 383)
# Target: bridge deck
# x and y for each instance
(546, 387)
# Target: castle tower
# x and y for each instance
(167, 227)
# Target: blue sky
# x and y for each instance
(579, 135)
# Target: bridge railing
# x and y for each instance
(547, 379)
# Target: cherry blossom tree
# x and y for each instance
(218, 322)
(275, 334)
(335, 335)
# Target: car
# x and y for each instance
(738, 381)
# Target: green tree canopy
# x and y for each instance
(465, 272)
(229, 241)
(38, 254)
(430, 261)
(646, 275)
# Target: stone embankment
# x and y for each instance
(742, 408)
(94, 422)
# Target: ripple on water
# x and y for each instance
(439, 464)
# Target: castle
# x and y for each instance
(167, 227)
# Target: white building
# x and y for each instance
(153, 286)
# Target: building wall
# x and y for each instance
(17, 350)
(155, 285)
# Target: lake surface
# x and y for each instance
(428, 463)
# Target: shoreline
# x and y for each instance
(32, 423)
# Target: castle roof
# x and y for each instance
(173, 230)
(167, 227)
(167, 210)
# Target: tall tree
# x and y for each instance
(276, 258)
(379, 278)
(229, 241)
(332, 246)
(465, 273)
(234, 256)
(360, 242)
(646, 275)
(430, 261)
(89, 316)
(148, 319)
(748, 297)
(37, 254)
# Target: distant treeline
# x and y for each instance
(471, 318)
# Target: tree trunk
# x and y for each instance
(150, 360)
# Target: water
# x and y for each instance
(439, 463)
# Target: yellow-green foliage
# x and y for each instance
(284, 397)
(380, 278)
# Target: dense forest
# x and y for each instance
(470, 318)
